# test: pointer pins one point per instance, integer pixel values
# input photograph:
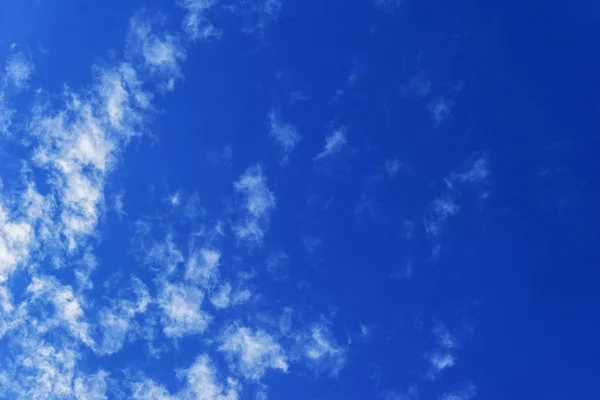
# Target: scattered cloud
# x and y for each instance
(160, 53)
(118, 205)
(417, 88)
(117, 321)
(258, 15)
(181, 310)
(439, 109)
(472, 174)
(439, 361)
(438, 213)
(393, 166)
(68, 308)
(258, 203)
(15, 242)
(6, 114)
(322, 351)
(164, 256)
(202, 267)
(195, 23)
(253, 352)
(443, 336)
(222, 298)
(466, 391)
(18, 70)
(201, 383)
(285, 135)
(334, 144)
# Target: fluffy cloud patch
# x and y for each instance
(201, 383)
(322, 351)
(15, 241)
(254, 352)
(202, 267)
(68, 307)
(160, 53)
(181, 310)
(18, 70)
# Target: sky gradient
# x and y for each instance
(300, 200)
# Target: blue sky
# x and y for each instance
(282, 199)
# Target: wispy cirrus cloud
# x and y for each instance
(465, 391)
(18, 70)
(195, 23)
(258, 203)
(473, 174)
(159, 52)
(321, 349)
(334, 144)
(285, 135)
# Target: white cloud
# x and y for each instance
(259, 202)
(474, 171)
(159, 53)
(285, 135)
(438, 212)
(254, 352)
(79, 145)
(439, 361)
(443, 337)
(334, 143)
(6, 114)
(466, 391)
(118, 205)
(202, 267)
(117, 322)
(92, 387)
(195, 23)
(181, 310)
(222, 298)
(15, 241)
(18, 70)
(67, 305)
(165, 256)
(322, 351)
(201, 384)
(42, 370)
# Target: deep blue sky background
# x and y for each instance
(513, 277)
